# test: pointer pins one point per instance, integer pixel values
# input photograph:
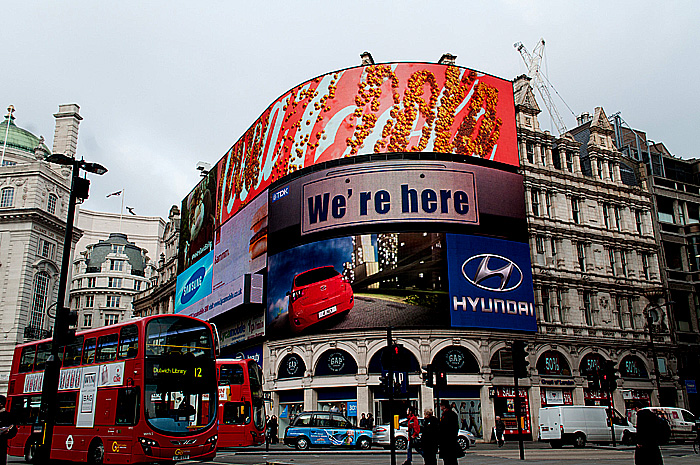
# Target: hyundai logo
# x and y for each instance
(492, 272)
(193, 285)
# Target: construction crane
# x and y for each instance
(532, 61)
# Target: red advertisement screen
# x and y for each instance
(394, 107)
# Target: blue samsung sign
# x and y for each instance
(490, 283)
(194, 283)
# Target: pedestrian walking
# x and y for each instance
(652, 431)
(363, 422)
(430, 435)
(370, 421)
(500, 431)
(274, 428)
(449, 430)
(7, 429)
(413, 432)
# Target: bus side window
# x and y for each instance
(74, 353)
(89, 351)
(26, 361)
(43, 351)
(67, 402)
(107, 348)
(231, 374)
(127, 406)
(128, 342)
(25, 409)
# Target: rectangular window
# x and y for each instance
(581, 253)
(681, 214)
(128, 342)
(67, 402)
(47, 249)
(116, 265)
(645, 265)
(569, 162)
(618, 311)
(556, 158)
(107, 348)
(576, 209)
(560, 303)
(693, 213)
(543, 156)
(530, 150)
(535, 201)
(117, 249)
(623, 262)
(587, 311)
(612, 261)
(236, 413)
(7, 196)
(25, 409)
(26, 361)
(618, 218)
(91, 282)
(89, 351)
(539, 244)
(51, 204)
(638, 217)
(87, 320)
(553, 245)
(631, 314)
(89, 301)
(115, 282)
(606, 215)
(137, 285)
(548, 203)
(599, 165)
(111, 319)
(74, 353)
(43, 351)
(611, 170)
(546, 310)
(113, 301)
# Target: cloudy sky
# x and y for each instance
(164, 84)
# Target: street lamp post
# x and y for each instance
(49, 391)
(652, 316)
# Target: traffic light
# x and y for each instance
(384, 383)
(391, 358)
(520, 362)
(428, 376)
(609, 378)
(440, 378)
(594, 379)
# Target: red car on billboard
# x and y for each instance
(318, 294)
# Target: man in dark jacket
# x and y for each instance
(430, 432)
(651, 432)
(449, 431)
(500, 431)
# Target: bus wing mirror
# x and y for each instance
(217, 340)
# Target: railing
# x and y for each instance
(33, 333)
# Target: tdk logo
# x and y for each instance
(492, 272)
(192, 285)
(280, 194)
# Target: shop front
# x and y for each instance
(466, 401)
(504, 407)
(340, 400)
(291, 403)
(384, 409)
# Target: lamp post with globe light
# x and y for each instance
(64, 317)
(652, 314)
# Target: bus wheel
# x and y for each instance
(302, 443)
(364, 443)
(96, 453)
(30, 450)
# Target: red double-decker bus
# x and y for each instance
(241, 406)
(142, 391)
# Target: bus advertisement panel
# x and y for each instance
(137, 392)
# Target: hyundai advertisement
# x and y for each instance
(383, 108)
(490, 283)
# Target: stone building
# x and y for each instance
(159, 296)
(34, 199)
(105, 278)
(676, 186)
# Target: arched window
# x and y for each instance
(7, 196)
(336, 362)
(590, 363)
(292, 366)
(502, 361)
(51, 204)
(552, 363)
(407, 361)
(632, 367)
(40, 295)
(456, 359)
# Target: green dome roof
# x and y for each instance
(20, 139)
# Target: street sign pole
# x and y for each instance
(390, 388)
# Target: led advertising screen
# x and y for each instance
(490, 283)
(194, 284)
(355, 282)
(385, 108)
(400, 195)
(197, 222)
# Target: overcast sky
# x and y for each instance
(163, 85)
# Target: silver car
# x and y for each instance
(381, 436)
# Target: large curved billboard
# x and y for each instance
(394, 107)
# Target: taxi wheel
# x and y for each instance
(463, 442)
(302, 443)
(96, 453)
(364, 443)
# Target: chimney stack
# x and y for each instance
(65, 138)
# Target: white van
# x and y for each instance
(681, 421)
(578, 424)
